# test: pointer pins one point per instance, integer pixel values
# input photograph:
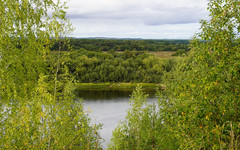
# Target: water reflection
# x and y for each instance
(108, 107)
(107, 94)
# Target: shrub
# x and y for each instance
(142, 128)
(202, 106)
(38, 110)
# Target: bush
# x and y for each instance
(142, 128)
(38, 110)
(199, 108)
(34, 125)
(202, 106)
(44, 122)
(180, 52)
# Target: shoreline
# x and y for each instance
(116, 86)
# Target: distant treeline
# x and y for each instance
(127, 44)
(129, 66)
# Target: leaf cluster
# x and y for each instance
(129, 66)
(38, 110)
(142, 127)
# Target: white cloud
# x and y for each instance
(102, 17)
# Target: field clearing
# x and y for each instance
(163, 54)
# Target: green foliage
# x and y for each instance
(38, 125)
(199, 109)
(202, 105)
(38, 110)
(25, 35)
(128, 44)
(113, 45)
(130, 66)
(142, 128)
(180, 52)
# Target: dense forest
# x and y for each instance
(115, 60)
(126, 44)
(129, 66)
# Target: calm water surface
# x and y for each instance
(108, 107)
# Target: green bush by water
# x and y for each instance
(142, 128)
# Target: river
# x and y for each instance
(108, 107)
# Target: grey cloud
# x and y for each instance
(175, 16)
(149, 12)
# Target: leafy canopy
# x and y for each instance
(37, 109)
(203, 104)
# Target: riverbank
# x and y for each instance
(116, 86)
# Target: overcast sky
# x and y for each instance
(148, 19)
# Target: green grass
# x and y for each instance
(93, 85)
(108, 85)
(163, 54)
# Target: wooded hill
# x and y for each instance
(127, 44)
